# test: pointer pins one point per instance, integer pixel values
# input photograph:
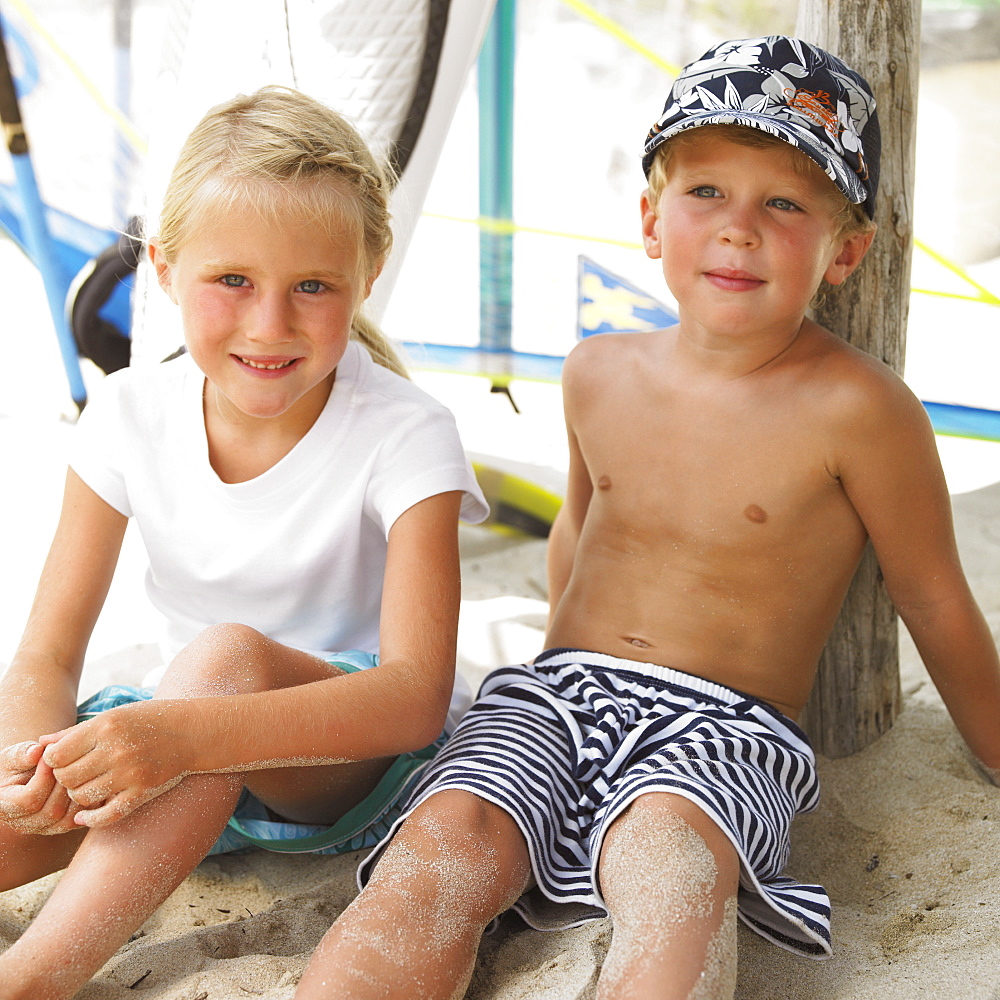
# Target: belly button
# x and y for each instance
(642, 644)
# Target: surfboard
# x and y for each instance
(518, 506)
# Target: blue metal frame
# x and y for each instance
(35, 231)
(496, 173)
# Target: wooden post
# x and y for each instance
(857, 695)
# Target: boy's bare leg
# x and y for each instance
(414, 931)
(669, 877)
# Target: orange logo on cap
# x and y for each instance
(817, 105)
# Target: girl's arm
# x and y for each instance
(399, 706)
(38, 691)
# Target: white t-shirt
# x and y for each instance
(297, 553)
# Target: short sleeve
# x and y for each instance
(98, 445)
(423, 456)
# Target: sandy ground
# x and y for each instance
(906, 840)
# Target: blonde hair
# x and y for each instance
(849, 219)
(277, 136)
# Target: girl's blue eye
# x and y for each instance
(234, 280)
(312, 286)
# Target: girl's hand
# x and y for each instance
(31, 800)
(119, 760)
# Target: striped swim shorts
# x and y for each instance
(565, 744)
(252, 826)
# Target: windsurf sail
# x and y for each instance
(139, 73)
(395, 67)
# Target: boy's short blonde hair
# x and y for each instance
(850, 219)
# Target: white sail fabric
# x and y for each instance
(372, 60)
(116, 85)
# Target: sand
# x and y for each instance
(906, 840)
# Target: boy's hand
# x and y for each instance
(31, 800)
(119, 760)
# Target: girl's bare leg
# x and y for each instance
(414, 931)
(24, 858)
(121, 873)
(118, 877)
(669, 877)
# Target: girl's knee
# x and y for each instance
(222, 659)
(229, 641)
(236, 659)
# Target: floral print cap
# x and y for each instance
(791, 89)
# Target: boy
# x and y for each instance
(725, 476)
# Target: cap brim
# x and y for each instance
(800, 138)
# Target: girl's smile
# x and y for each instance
(265, 366)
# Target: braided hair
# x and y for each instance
(245, 150)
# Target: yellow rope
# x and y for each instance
(617, 31)
(505, 227)
(127, 129)
(502, 226)
(985, 295)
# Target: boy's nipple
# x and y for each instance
(604, 483)
(754, 513)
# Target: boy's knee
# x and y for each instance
(665, 850)
(469, 823)
(669, 877)
(463, 840)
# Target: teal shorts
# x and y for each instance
(364, 826)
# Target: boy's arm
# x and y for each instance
(894, 479)
(566, 528)
(399, 706)
(38, 690)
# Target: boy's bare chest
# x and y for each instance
(726, 477)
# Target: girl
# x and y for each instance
(296, 499)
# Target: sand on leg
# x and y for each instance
(118, 877)
(456, 863)
(669, 878)
(121, 873)
(26, 857)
